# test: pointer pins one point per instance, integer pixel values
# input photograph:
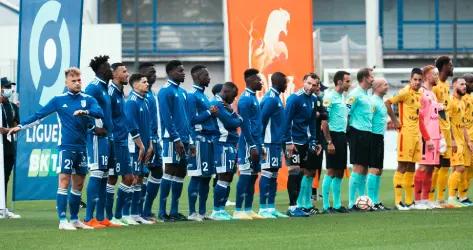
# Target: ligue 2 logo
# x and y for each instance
(48, 63)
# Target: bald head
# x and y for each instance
(380, 86)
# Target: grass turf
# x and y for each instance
(390, 230)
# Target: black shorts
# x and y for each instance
(360, 144)
(377, 151)
(339, 159)
(302, 158)
(444, 162)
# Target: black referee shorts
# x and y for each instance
(339, 159)
(377, 151)
(360, 145)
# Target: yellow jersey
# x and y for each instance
(467, 100)
(408, 101)
(442, 91)
(456, 112)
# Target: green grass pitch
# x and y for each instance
(436, 229)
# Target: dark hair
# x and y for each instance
(362, 73)
(217, 88)
(97, 61)
(311, 75)
(468, 77)
(455, 79)
(442, 61)
(145, 65)
(339, 75)
(231, 85)
(416, 71)
(277, 76)
(197, 68)
(171, 65)
(116, 65)
(250, 72)
(135, 78)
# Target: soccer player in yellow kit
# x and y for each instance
(460, 140)
(409, 143)
(441, 91)
(468, 121)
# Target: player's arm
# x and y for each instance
(196, 117)
(422, 126)
(93, 110)
(131, 114)
(313, 143)
(291, 109)
(153, 114)
(268, 107)
(244, 107)
(327, 103)
(394, 100)
(229, 120)
(165, 101)
(37, 117)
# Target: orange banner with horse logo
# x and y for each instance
(271, 35)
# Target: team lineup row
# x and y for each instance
(163, 137)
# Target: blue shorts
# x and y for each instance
(244, 161)
(202, 163)
(170, 155)
(73, 162)
(121, 164)
(273, 159)
(98, 152)
(138, 168)
(225, 157)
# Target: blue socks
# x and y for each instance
(176, 188)
(355, 180)
(163, 196)
(109, 201)
(142, 196)
(93, 193)
(242, 187)
(203, 194)
(220, 195)
(362, 185)
(304, 200)
(250, 193)
(61, 203)
(128, 198)
(152, 188)
(193, 192)
(100, 213)
(74, 204)
(336, 192)
(122, 196)
(326, 186)
(264, 189)
(135, 201)
(273, 187)
(373, 183)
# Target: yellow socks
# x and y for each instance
(434, 185)
(442, 180)
(453, 183)
(397, 183)
(408, 185)
(463, 186)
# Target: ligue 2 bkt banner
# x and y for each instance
(271, 35)
(49, 42)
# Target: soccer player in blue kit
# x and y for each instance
(175, 132)
(139, 123)
(74, 110)
(225, 147)
(250, 146)
(200, 166)
(99, 144)
(154, 167)
(273, 118)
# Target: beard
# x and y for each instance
(460, 93)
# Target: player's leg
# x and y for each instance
(137, 194)
(208, 169)
(244, 180)
(95, 178)
(376, 170)
(152, 189)
(194, 170)
(177, 185)
(111, 182)
(398, 185)
(104, 156)
(336, 165)
(318, 172)
(310, 170)
(166, 181)
(305, 172)
(66, 161)
(455, 178)
(359, 158)
(442, 176)
(250, 194)
(79, 172)
(123, 168)
(224, 162)
(464, 184)
(294, 183)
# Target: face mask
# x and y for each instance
(7, 93)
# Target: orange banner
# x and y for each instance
(271, 35)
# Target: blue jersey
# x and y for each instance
(198, 106)
(226, 123)
(120, 123)
(73, 128)
(300, 118)
(138, 117)
(172, 101)
(273, 116)
(98, 89)
(153, 114)
(250, 111)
